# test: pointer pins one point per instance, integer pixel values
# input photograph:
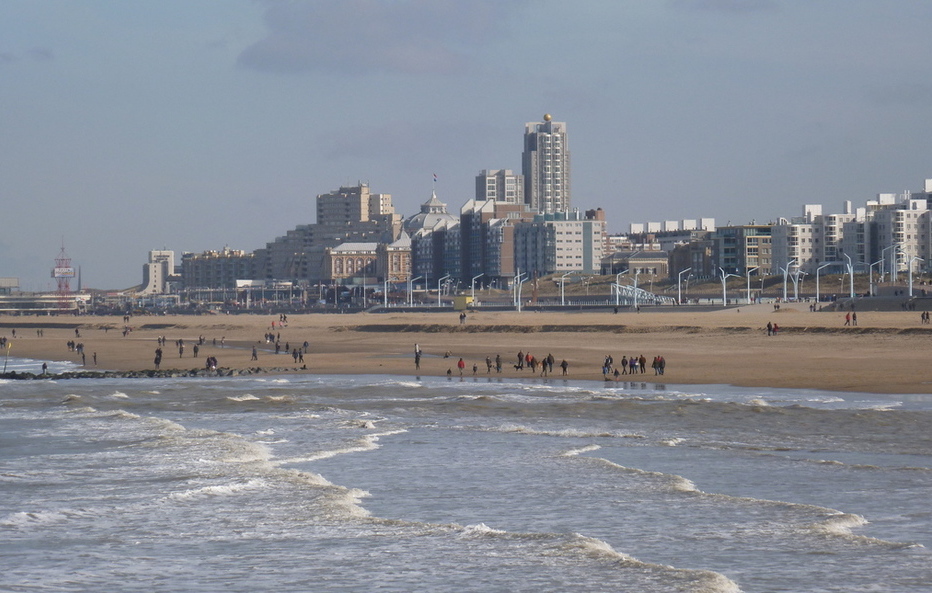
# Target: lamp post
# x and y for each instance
(519, 283)
(725, 277)
(439, 282)
(796, 276)
(870, 271)
(636, 274)
(850, 275)
(385, 293)
(618, 287)
(749, 281)
(817, 279)
(411, 282)
(786, 273)
(911, 260)
(883, 266)
(472, 285)
(679, 286)
(562, 282)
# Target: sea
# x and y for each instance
(481, 483)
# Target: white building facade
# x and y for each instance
(546, 166)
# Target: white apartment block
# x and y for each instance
(669, 226)
(892, 233)
(546, 166)
(561, 242)
(500, 185)
(156, 272)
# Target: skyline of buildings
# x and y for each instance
(524, 224)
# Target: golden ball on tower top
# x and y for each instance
(547, 117)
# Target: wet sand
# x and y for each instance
(888, 352)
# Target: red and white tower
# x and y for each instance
(63, 272)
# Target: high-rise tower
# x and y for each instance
(546, 162)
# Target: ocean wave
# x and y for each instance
(243, 398)
(564, 432)
(366, 443)
(700, 581)
(220, 489)
(842, 524)
(24, 518)
(238, 450)
(119, 395)
(581, 450)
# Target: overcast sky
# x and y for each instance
(131, 126)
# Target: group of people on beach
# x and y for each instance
(629, 365)
(632, 365)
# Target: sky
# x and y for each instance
(191, 126)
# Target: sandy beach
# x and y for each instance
(888, 352)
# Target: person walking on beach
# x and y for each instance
(564, 365)
(520, 364)
(642, 362)
(854, 318)
(848, 318)
(488, 365)
(461, 365)
(255, 354)
(498, 363)
(624, 365)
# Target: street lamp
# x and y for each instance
(817, 279)
(472, 285)
(519, 284)
(786, 273)
(636, 274)
(870, 271)
(911, 260)
(411, 289)
(562, 282)
(724, 278)
(679, 286)
(883, 267)
(796, 276)
(618, 287)
(850, 275)
(749, 281)
(439, 282)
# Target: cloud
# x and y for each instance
(365, 36)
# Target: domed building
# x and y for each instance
(433, 214)
(433, 232)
